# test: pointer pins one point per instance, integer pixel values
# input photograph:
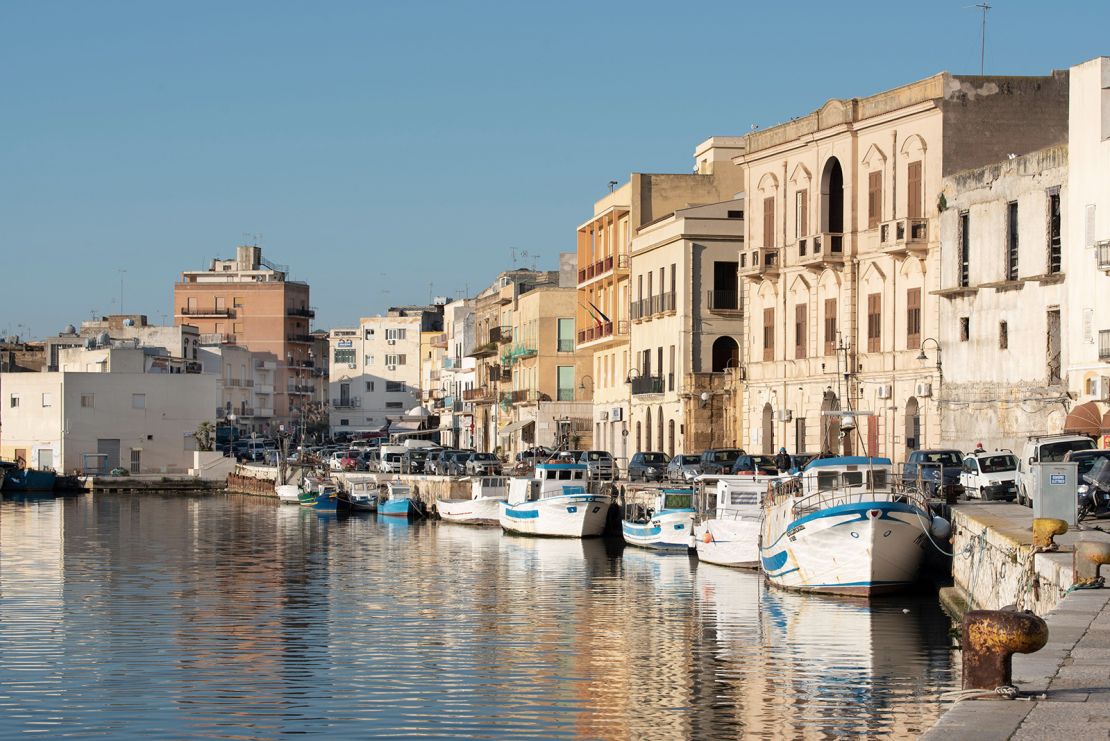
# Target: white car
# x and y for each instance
(990, 476)
(390, 462)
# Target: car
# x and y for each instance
(683, 468)
(532, 455)
(431, 463)
(454, 462)
(370, 460)
(990, 476)
(253, 451)
(390, 462)
(483, 464)
(1045, 449)
(762, 465)
(413, 461)
(1085, 460)
(717, 461)
(934, 472)
(599, 464)
(648, 467)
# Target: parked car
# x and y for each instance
(717, 461)
(990, 476)
(454, 462)
(533, 455)
(253, 451)
(1085, 460)
(1045, 449)
(390, 462)
(483, 464)
(763, 465)
(599, 464)
(370, 460)
(683, 468)
(936, 473)
(648, 467)
(431, 463)
(413, 461)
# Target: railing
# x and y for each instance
(307, 338)
(1104, 344)
(439, 340)
(352, 403)
(306, 313)
(647, 385)
(724, 300)
(248, 382)
(234, 382)
(479, 394)
(522, 396)
(1102, 254)
(605, 329)
(305, 363)
(759, 261)
(567, 345)
(500, 334)
(194, 311)
(300, 388)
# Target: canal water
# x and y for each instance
(235, 617)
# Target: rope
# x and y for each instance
(1006, 692)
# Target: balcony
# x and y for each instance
(478, 395)
(568, 345)
(351, 403)
(506, 294)
(1102, 255)
(602, 267)
(300, 388)
(596, 332)
(302, 363)
(303, 338)
(214, 313)
(647, 385)
(265, 365)
(264, 412)
(305, 313)
(501, 335)
(439, 340)
(661, 303)
(487, 350)
(724, 302)
(821, 250)
(759, 263)
(263, 388)
(523, 396)
(1104, 344)
(904, 236)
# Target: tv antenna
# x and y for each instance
(612, 185)
(252, 239)
(984, 6)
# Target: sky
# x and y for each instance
(388, 152)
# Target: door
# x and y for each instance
(45, 458)
(110, 449)
(136, 461)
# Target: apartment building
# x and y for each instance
(1001, 301)
(686, 330)
(251, 302)
(454, 376)
(841, 255)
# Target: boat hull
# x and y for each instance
(288, 493)
(398, 508)
(480, 511)
(857, 549)
(733, 542)
(667, 531)
(17, 481)
(357, 503)
(564, 516)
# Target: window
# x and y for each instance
(395, 334)
(913, 318)
(48, 400)
(237, 302)
(801, 213)
(874, 199)
(800, 311)
(87, 401)
(221, 303)
(565, 383)
(566, 335)
(393, 387)
(769, 222)
(394, 359)
(344, 356)
(395, 405)
(136, 460)
(1053, 349)
(344, 422)
(13, 401)
(237, 327)
(1003, 336)
(138, 401)
(735, 214)
(369, 334)
(965, 250)
(965, 328)
(913, 190)
(369, 385)
(830, 326)
(1012, 240)
(768, 334)
(1055, 264)
(367, 359)
(874, 321)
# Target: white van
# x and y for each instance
(1045, 449)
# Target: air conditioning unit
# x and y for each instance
(885, 391)
(603, 416)
(391, 342)
(391, 367)
(785, 415)
(352, 366)
(617, 414)
(924, 389)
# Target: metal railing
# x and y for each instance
(306, 313)
(1102, 254)
(724, 300)
(1104, 344)
(351, 403)
(194, 311)
(647, 385)
(568, 345)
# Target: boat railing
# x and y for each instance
(826, 498)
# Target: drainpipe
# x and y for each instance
(782, 274)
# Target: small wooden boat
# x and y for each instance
(399, 502)
(483, 505)
(362, 496)
(663, 524)
(327, 500)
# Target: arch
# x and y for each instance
(659, 424)
(768, 183)
(800, 175)
(830, 425)
(647, 430)
(832, 197)
(726, 353)
(670, 438)
(913, 144)
(913, 424)
(874, 159)
(768, 429)
(873, 272)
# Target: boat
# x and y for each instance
(482, 507)
(399, 501)
(664, 523)
(842, 526)
(361, 496)
(727, 530)
(326, 499)
(554, 502)
(19, 479)
(288, 493)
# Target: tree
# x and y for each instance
(205, 436)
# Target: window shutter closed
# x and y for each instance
(913, 190)
(874, 199)
(768, 222)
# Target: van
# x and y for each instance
(1045, 449)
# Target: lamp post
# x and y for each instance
(923, 357)
(582, 382)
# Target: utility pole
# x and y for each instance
(122, 272)
(984, 6)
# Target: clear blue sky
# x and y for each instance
(379, 147)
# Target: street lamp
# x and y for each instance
(633, 374)
(582, 382)
(923, 357)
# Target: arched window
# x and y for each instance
(913, 424)
(647, 430)
(670, 438)
(830, 425)
(638, 439)
(832, 198)
(659, 436)
(726, 354)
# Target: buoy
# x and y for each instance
(940, 528)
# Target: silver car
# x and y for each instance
(683, 469)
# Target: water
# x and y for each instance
(234, 617)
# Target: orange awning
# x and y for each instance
(1085, 419)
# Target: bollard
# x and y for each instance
(1089, 556)
(990, 638)
(1044, 529)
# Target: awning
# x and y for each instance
(1085, 419)
(515, 427)
(405, 425)
(1106, 423)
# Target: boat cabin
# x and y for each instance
(549, 480)
(398, 490)
(486, 487)
(847, 472)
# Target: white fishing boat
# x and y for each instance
(554, 502)
(482, 507)
(727, 533)
(841, 527)
(660, 519)
(288, 493)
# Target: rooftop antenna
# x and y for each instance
(612, 185)
(984, 6)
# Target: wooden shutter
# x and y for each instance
(874, 304)
(913, 318)
(800, 333)
(874, 199)
(913, 190)
(768, 334)
(803, 213)
(830, 326)
(769, 222)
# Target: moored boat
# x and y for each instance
(482, 507)
(399, 502)
(727, 531)
(288, 493)
(19, 479)
(554, 502)
(842, 527)
(361, 496)
(326, 500)
(664, 523)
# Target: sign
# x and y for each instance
(1057, 479)
(345, 343)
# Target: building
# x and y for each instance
(455, 376)
(1002, 302)
(841, 255)
(686, 330)
(179, 341)
(108, 406)
(250, 302)
(246, 385)
(606, 291)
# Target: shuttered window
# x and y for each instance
(874, 199)
(913, 318)
(874, 321)
(768, 334)
(830, 326)
(802, 213)
(768, 222)
(913, 190)
(800, 333)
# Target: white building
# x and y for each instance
(456, 375)
(246, 385)
(107, 407)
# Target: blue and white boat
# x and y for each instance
(19, 479)
(326, 499)
(727, 530)
(841, 527)
(482, 507)
(359, 496)
(554, 502)
(666, 523)
(399, 501)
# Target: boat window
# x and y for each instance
(678, 501)
(579, 474)
(826, 480)
(552, 475)
(564, 475)
(877, 479)
(853, 478)
(744, 497)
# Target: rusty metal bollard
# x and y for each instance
(1044, 529)
(1089, 556)
(990, 639)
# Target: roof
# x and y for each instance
(847, 460)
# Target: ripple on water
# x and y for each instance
(233, 617)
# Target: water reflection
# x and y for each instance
(235, 617)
